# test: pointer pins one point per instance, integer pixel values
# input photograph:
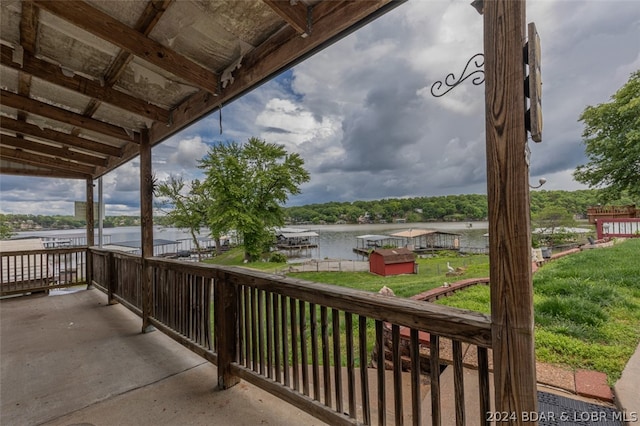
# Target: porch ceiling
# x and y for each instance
(83, 82)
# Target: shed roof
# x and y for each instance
(396, 255)
(84, 82)
(414, 233)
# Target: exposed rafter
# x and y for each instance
(33, 106)
(115, 32)
(44, 161)
(55, 151)
(145, 24)
(294, 13)
(20, 127)
(53, 74)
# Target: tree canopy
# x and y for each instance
(184, 205)
(247, 185)
(612, 140)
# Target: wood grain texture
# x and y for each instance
(508, 202)
(33, 106)
(110, 29)
(53, 74)
(67, 139)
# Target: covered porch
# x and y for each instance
(79, 117)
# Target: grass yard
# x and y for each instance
(587, 308)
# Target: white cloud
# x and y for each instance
(188, 152)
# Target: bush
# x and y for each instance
(277, 257)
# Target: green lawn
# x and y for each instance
(587, 308)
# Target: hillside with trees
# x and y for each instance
(449, 208)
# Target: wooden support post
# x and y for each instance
(508, 198)
(225, 299)
(146, 219)
(89, 218)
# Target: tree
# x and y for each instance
(553, 223)
(248, 184)
(185, 207)
(612, 140)
(6, 230)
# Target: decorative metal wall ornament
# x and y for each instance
(450, 81)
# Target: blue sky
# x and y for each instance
(361, 114)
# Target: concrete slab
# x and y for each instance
(74, 359)
(189, 398)
(627, 389)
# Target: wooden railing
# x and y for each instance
(312, 345)
(42, 270)
(287, 344)
(120, 276)
(618, 228)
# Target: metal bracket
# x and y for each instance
(450, 81)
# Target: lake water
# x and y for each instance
(335, 241)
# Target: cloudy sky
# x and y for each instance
(361, 113)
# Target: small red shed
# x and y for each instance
(393, 261)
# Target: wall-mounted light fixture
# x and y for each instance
(541, 182)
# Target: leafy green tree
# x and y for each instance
(6, 230)
(185, 206)
(612, 140)
(552, 222)
(248, 183)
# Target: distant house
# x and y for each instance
(612, 212)
(392, 262)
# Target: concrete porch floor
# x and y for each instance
(72, 359)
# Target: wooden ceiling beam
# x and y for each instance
(6, 169)
(44, 161)
(33, 106)
(115, 32)
(29, 27)
(295, 14)
(53, 74)
(88, 145)
(64, 153)
(149, 18)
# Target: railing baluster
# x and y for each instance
(326, 360)
(294, 345)
(458, 381)
(434, 358)
(285, 342)
(247, 325)
(315, 365)
(416, 397)
(364, 374)
(241, 324)
(483, 383)
(276, 335)
(382, 411)
(351, 376)
(337, 361)
(269, 331)
(303, 348)
(397, 374)
(260, 325)
(254, 329)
